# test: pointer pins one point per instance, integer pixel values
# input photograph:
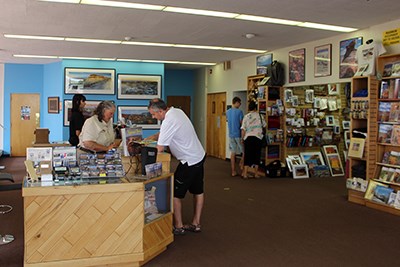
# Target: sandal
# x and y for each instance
(192, 228)
(179, 231)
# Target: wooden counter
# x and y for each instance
(94, 224)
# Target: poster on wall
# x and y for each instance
(263, 62)
(25, 113)
(348, 52)
(297, 65)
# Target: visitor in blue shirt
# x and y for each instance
(234, 116)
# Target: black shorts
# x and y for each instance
(189, 178)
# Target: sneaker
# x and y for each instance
(178, 231)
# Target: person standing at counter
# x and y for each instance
(77, 120)
(177, 132)
(98, 132)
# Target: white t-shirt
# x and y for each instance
(367, 54)
(178, 133)
(96, 131)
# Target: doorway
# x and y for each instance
(25, 118)
(216, 125)
(182, 102)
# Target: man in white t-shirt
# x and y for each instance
(366, 57)
(177, 132)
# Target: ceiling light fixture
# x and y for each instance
(34, 37)
(99, 41)
(212, 13)
(118, 59)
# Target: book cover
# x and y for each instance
(396, 69)
(384, 90)
(129, 136)
(382, 194)
(385, 133)
(393, 158)
(396, 203)
(385, 158)
(391, 199)
(387, 70)
(394, 114)
(369, 193)
(391, 90)
(384, 174)
(395, 138)
(395, 176)
(397, 88)
(384, 111)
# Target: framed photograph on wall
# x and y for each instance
(330, 120)
(131, 86)
(53, 104)
(87, 111)
(297, 65)
(347, 60)
(89, 81)
(139, 116)
(322, 60)
(262, 63)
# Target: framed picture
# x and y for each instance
(89, 81)
(53, 104)
(346, 125)
(330, 120)
(312, 159)
(330, 149)
(300, 171)
(348, 61)
(333, 89)
(297, 65)
(293, 160)
(288, 95)
(322, 60)
(335, 165)
(87, 111)
(262, 63)
(309, 96)
(139, 116)
(356, 147)
(131, 86)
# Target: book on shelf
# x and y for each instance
(369, 193)
(394, 158)
(382, 194)
(396, 69)
(396, 85)
(386, 174)
(384, 94)
(392, 198)
(394, 115)
(395, 137)
(384, 111)
(395, 177)
(387, 70)
(385, 133)
(129, 136)
(396, 203)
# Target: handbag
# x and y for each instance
(264, 141)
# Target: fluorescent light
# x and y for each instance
(243, 50)
(108, 59)
(62, 1)
(326, 27)
(130, 60)
(268, 20)
(100, 41)
(35, 37)
(197, 63)
(35, 56)
(160, 61)
(200, 12)
(199, 46)
(147, 44)
(85, 58)
(121, 4)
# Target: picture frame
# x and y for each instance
(288, 95)
(312, 159)
(300, 171)
(331, 153)
(346, 125)
(293, 160)
(89, 81)
(134, 86)
(309, 96)
(330, 120)
(262, 63)
(297, 65)
(88, 110)
(139, 116)
(323, 60)
(330, 149)
(347, 57)
(356, 147)
(53, 104)
(333, 89)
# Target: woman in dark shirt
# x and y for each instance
(76, 121)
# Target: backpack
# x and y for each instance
(276, 72)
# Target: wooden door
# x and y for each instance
(216, 125)
(182, 102)
(25, 110)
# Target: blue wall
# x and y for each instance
(180, 83)
(48, 81)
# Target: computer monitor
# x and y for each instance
(148, 156)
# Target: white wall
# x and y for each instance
(235, 79)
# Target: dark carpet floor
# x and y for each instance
(263, 222)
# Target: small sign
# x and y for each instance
(391, 37)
